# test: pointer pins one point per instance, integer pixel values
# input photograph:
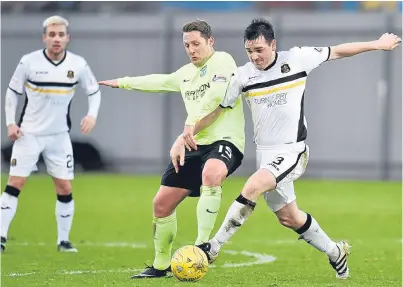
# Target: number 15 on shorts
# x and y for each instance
(225, 151)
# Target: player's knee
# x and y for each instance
(167, 199)
(267, 179)
(251, 190)
(259, 183)
(286, 220)
(63, 187)
(160, 206)
(17, 182)
(290, 216)
(213, 176)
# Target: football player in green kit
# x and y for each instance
(203, 84)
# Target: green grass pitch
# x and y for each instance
(113, 233)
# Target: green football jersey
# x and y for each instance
(203, 89)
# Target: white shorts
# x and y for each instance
(287, 163)
(57, 152)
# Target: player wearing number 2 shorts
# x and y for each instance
(48, 78)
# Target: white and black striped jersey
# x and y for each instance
(276, 95)
(49, 87)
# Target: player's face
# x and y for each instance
(56, 39)
(260, 52)
(198, 48)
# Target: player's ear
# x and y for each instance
(211, 41)
(273, 45)
(68, 38)
(44, 37)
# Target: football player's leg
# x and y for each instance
(165, 223)
(9, 202)
(164, 230)
(221, 160)
(24, 157)
(274, 165)
(174, 188)
(240, 210)
(58, 156)
(309, 230)
(307, 227)
(213, 174)
(64, 212)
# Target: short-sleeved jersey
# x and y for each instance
(49, 88)
(276, 95)
(203, 89)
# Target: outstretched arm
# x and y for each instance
(386, 42)
(156, 83)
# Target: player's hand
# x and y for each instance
(14, 132)
(388, 42)
(87, 124)
(188, 136)
(177, 153)
(109, 83)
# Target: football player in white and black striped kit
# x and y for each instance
(48, 78)
(273, 84)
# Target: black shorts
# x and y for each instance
(190, 175)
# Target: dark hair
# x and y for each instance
(198, 25)
(259, 27)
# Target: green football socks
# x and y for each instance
(207, 211)
(164, 230)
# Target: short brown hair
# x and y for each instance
(198, 25)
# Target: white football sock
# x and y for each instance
(8, 208)
(313, 234)
(237, 214)
(64, 217)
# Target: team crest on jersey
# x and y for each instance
(70, 74)
(285, 68)
(203, 71)
(13, 162)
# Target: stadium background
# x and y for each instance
(353, 106)
(352, 184)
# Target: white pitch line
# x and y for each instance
(90, 244)
(259, 259)
(78, 272)
(20, 274)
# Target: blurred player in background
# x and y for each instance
(203, 84)
(49, 78)
(273, 84)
